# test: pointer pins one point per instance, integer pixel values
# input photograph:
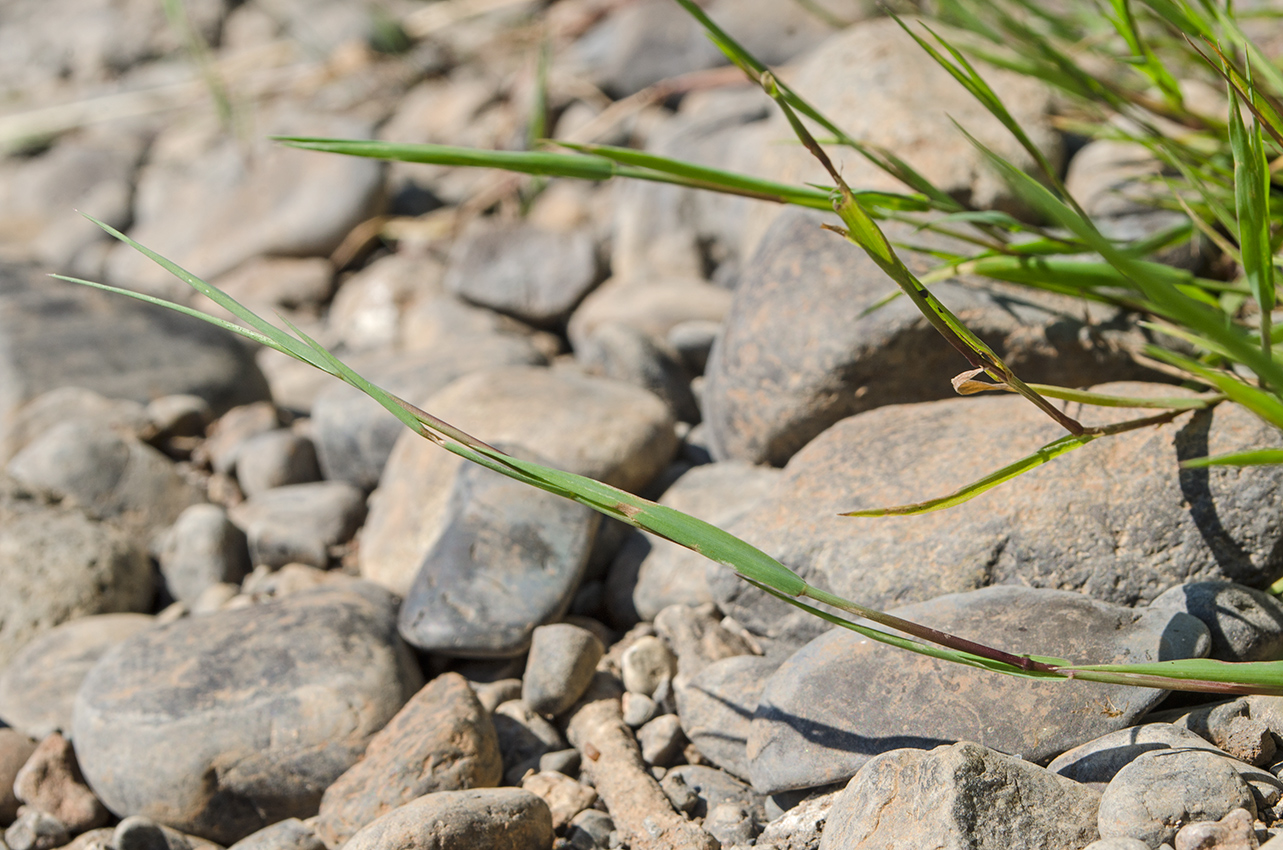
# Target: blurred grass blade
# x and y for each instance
(1253, 457)
(1047, 453)
(1143, 57)
(1252, 207)
(1264, 404)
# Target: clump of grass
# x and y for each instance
(1222, 179)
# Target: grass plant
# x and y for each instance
(1219, 172)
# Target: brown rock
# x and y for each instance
(565, 797)
(51, 782)
(494, 818)
(441, 740)
(15, 749)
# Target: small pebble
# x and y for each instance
(51, 782)
(562, 761)
(594, 826)
(1232, 832)
(35, 830)
(731, 824)
(141, 833)
(493, 694)
(565, 797)
(559, 667)
(661, 740)
(681, 795)
(638, 709)
(646, 664)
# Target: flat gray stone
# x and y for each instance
(624, 353)
(713, 788)
(59, 565)
(299, 523)
(960, 796)
(55, 334)
(1159, 792)
(218, 725)
(717, 706)
(560, 665)
(441, 740)
(38, 686)
(275, 459)
(1122, 538)
(843, 699)
(497, 818)
(1097, 762)
(509, 560)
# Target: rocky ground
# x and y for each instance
(243, 606)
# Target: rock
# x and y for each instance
(441, 740)
(288, 834)
(140, 833)
(182, 722)
(590, 829)
(524, 737)
(15, 749)
(731, 824)
(621, 352)
(201, 548)
(1122, 539)
(233, 430)
(492, 694)
(661, 740)
(693, 340)
(35, 418)
(50, 781)
(963, 795)
(650, 573)
(1246, 624)
(800, 827)
(559, 667)
(275, 459)
(565, 797)
(509, 560)
(499, 818)
(1159, 792)
(1241, 727)
(118, 348)
(267, 283)
(59, 565)
(1235, 831)
(106, 474)
(637, 709)
(1117, 844)
(528, 272)
(1111, 178)
(591, 426)
(39, 685)
(713, 788)
(181, 415)
(717, 705)
(808, 291)
(697, 638)
(311, 202)
(646, 664)
(264, 583)
(35, 830)
(653, 306)
(567, 761)
(805, 734)
(355, 435)
(1097, 762)
(300, 522)
(369, 310)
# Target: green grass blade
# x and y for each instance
(1251, 457)
(1205, 674)
(1252, 208)
(1047, 453)
(1264, 404)
(1135, 402)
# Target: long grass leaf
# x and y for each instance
(1251, 457)
(1264, 404)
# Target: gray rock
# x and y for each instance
(1097, 762)
(142, 833)
(661, 740)
(39, 684)
(1235, 831)
(312, 202)
(183, 722)
(963, 795)
(288, 834)
(1123, 540)
(371, 307)
(590, 829)
(637, 708)
(65, 404)
(59, 565)
(646, 664)
(35, 830)
(524, 737)
(1118, 844)
(267, 284)
(800, 827)
(441, 740)
(1159, 792)
(201, 548)
(106, 474)
(493, 693)
(1246, 624)
(498, 818)
(51, 782)
(731, 824)
(807, 290)
(565, 797)
(180, 415)
(805, 732)
(717, 705)
(693, 340)
(300, 522)
(712, 788)
(697, 638)
(566, 761)
(650, 304)
(591, 426)
(233, 429)
(650, 573)
(509, 560)
(275, 459)
(15, 749)
(531, 273)
(559, 667)
(355, 436)
(114, 346)
(624, 353)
